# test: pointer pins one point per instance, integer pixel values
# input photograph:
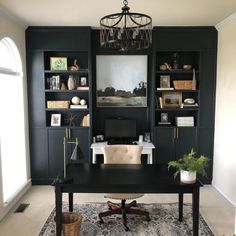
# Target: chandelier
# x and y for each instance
(126, 30)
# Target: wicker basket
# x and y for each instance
(71, 223)
(185, 84)
(58, 104)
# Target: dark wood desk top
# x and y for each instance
(115, 178)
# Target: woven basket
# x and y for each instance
(58, 104)
(71, 223)
(184, 84)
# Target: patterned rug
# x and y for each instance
(164, 221)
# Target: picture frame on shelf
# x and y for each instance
(55, 119)
(58, 63)
(164, 117)
(83, 81)
(164, 81)
(173, 99)
(147, 137)
(55, 82)
(100, 138)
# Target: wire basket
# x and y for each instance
(71, 223)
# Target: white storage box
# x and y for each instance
(185, 121)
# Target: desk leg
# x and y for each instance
(181, 200)
(149, 158)
(70, 196)
(58, 204)
(94, 158)
(195, 205)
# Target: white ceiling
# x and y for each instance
(89, 12)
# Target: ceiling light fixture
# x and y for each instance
(126, 30)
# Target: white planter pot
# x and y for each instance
(187, 177)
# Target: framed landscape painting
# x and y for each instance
(121, 80)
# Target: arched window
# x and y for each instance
(12, 121)
(10, 61)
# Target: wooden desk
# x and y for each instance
(147, 149)
(89, 178)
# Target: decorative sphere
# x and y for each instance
(82, 102)
(75, 100)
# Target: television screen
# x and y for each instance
(120, 128)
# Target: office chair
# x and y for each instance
(122, 154)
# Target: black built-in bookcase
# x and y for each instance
(195, 45)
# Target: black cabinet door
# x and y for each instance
(56, 148)
(164, 144)
(186, 138)
(172, 143)
(55, 151)
(83, 151)
(39, 155)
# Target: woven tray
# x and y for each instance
(184, 84)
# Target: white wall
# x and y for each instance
(224, 168)
(12, 28)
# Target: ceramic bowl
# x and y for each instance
(187, 67)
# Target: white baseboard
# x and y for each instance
(226, 197)
(15, 200)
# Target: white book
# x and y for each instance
(79, 106)
(166, 89)
(82, 88)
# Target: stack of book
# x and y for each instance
(164, 123)
(79, 106)
(82, 88)
(166, 89)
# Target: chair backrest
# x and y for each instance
(122, 154)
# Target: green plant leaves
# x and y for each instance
(190, 163)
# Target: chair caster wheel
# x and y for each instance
(101, 221)
(148, 219)
(126, 229)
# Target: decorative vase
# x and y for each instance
(71, 83)
(187, 177)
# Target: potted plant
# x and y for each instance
(188, 166)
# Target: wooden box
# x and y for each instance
(58, 104)
(185, 84)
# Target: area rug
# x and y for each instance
(164, 221)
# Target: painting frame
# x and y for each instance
(121, 80)
(58, 63)
(164, 81)
(55, 119)
(172, 99)
(83, 81)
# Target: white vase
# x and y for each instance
(71, 83)
(187, 177)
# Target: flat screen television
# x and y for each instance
(118, 129)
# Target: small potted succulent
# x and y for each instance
(188, 166)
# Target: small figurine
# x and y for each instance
(175, 63)
(75, 66)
